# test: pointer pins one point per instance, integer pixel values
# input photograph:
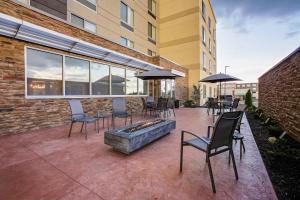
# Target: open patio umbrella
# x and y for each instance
(219, 78)
(157, 74)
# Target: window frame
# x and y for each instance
(64, 96)
(153, 14)
(203, 35)
(150, 38)
(84, 21)
(203, 10)
(128, 41)
(125, 23)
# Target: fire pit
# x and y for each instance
(135, 136)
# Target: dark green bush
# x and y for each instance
(248, 100)
(189, 104)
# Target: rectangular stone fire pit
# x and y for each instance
(135, 136)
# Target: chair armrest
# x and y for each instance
(183, 131)
(208, 129)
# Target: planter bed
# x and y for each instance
(282, 160)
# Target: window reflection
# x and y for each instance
(131, 84)
(117, 81)
(143, 87)
(76, 76)
(44, 73)
(100, 79)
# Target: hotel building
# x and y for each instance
(52, 51)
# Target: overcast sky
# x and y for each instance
(254, 35)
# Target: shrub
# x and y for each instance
(248, 99)
(189, 104)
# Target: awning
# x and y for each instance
(157, 75)
(22, 30)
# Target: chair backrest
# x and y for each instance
(150, 99)
(119, 105)
(235, 103)
(144, 102)
(170, 103)
(76, 109)
(210, 102)
(238, 125)
(224, 129)
(161, 103)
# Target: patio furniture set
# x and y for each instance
(163, 106)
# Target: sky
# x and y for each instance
(254, 35)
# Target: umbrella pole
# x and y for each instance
(220, 99)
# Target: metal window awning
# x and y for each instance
(22, 30)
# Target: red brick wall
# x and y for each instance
(279, 94)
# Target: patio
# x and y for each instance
(46, 164)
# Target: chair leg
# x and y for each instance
(241, 150)
(181, 157)
(229, 158)
(85, 130)
(211, 176)
(81, 127)
(234, 166)
(243, 145)
(103, 122)
(98, 126)
(70, 129)
(174, 112)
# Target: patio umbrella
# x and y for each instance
(219, 78)
(157, 75)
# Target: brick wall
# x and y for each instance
(279, 93)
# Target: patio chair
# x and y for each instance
(171, 106)
(144, 111)
(119, 110)
(235, 104)
(221, 141)
(211, 104)
(161, 106)
(78, 115)
(237, 136)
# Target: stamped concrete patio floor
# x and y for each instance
(46, 164)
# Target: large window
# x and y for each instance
(126, 14)
(151, 32)
(92, 4)
(100, 79)
(51, 74)
(168, 88)
(76, 76)
(131, 82)
(117, 81)
(44, 73)
(209, 24)
(152, 6)
(82, 23)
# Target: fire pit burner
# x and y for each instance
(142, 125)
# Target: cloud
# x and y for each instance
(292, 34)
(240, 13)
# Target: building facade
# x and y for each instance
(52, 51)
(239, 90)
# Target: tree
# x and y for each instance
(196, 96)
(248, 99)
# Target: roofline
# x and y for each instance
(280, 62)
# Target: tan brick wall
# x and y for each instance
(279, 94)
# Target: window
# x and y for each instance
(210, 92)
(127, 43)
(209, 66)
(76, 74)
(209, 24)
(126, 14)
(117, 81)
(203, 60)
(204, 91)
(152, 6)
(57, 8)
(51, 74)
(203, 35)
(151, 53)
(80, 22)
(209, 45)
(100, 79)
(203, 10)
(92, 4)
(143, 86)
(44, 73)
(131, 82)
(151, 32)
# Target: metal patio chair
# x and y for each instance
(119, 110)
(78, 116)
(171, 106)
(221, 141)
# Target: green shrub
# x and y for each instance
(248, 100)
(189, 103)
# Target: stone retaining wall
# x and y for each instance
(279, 93)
